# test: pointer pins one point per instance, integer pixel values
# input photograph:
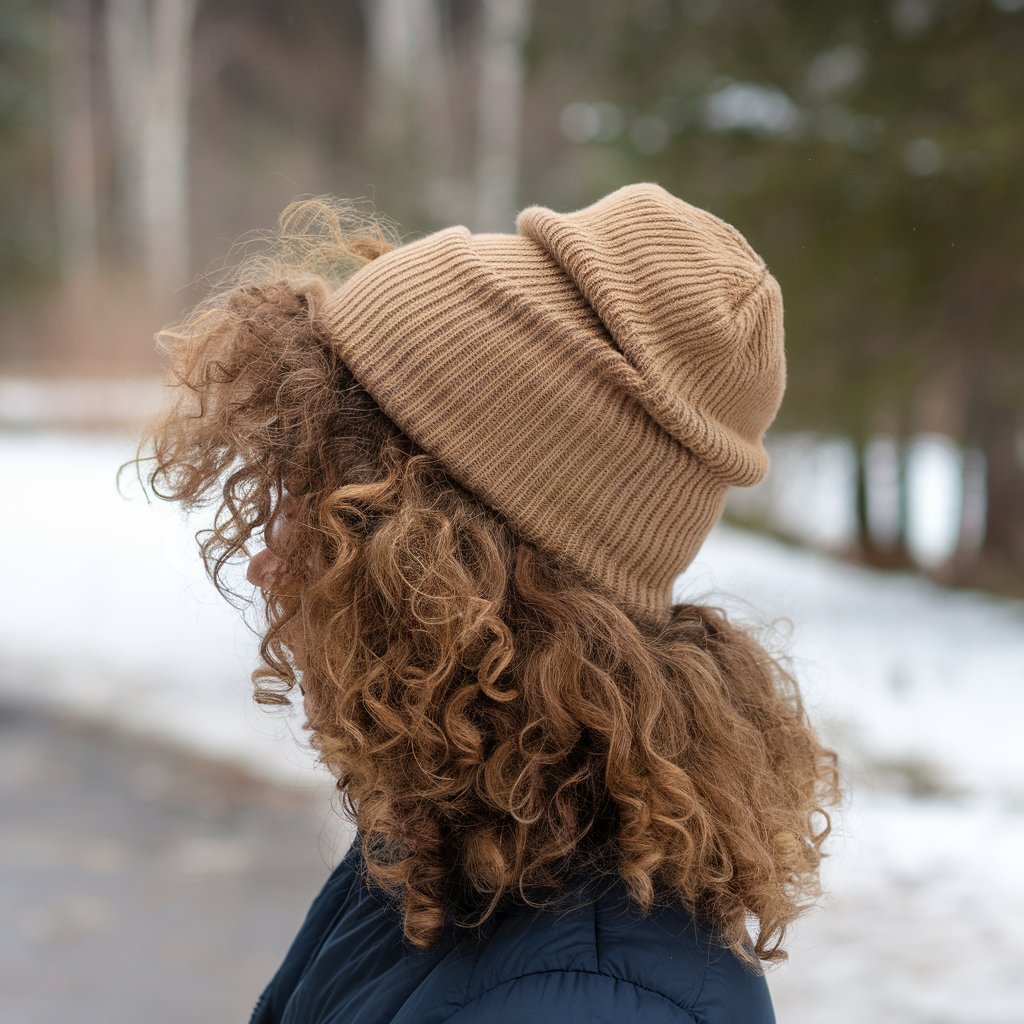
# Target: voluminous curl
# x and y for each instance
(492, 721)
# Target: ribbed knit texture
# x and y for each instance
(599, 378)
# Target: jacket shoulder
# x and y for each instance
(603, 960)
(565, 996)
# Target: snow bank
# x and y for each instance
(108, 612)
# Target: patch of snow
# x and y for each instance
(108, 612)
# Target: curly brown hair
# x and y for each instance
(493, 722)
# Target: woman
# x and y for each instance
(479, 461)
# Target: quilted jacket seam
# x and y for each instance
(703, 978)
(568, 970)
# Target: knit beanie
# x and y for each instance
(599, 378)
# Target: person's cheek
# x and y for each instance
(262, 569)
(253, 572)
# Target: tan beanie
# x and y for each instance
(599, 378)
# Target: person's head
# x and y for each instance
(498, 697)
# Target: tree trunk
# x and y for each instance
(993, 463)
(409, 109)
(971, 524)
(1002, 547)
(74, 149)
(391, 51)
(505, 26)
(149, 51)
(899, 553)
(127, 69)
(165, 147)
(966, 553)
(863, 535)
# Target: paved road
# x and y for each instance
(138, 883)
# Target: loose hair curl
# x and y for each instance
(492, 721)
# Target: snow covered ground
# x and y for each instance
(107, 611)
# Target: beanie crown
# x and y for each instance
(599, 378)
(687, 302)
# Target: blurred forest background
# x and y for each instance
(871, 151)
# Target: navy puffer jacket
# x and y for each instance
(601, 962)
